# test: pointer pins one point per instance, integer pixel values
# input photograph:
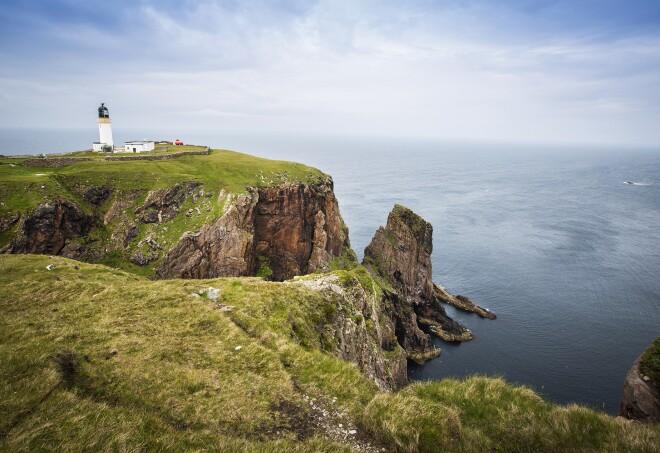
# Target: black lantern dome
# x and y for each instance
(103, 111)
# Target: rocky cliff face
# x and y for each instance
(363, 331)
(400, 253)
(51, 229)
(279, 232)
(641, 396)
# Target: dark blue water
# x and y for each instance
(548, 238)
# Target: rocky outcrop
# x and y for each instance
(163, 205)
(8, 221)
(293, 229)
(641, 396)
(400, 253)
(50, 229)
(96, 195)
(142, 259)
(224, 248)
(462, 302)
(409, 334)
(362, 330)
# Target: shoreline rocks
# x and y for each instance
(462, 303)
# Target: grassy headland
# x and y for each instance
(24, 185)
(97, 359)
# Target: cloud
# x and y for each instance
(471, 70)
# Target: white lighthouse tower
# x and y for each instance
(105, 142)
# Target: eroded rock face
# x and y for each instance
(96, 195)
(400, 252)
(163, 205)
(294, 229)
(363, 332)
(298, 228)
(50, 228)
(224, 248)
(8, 221)
(641, 398)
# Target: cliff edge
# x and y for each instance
(217, 214)
(641, 389)
(275, 232)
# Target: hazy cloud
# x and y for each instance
(519, 70)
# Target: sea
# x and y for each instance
(561, 242)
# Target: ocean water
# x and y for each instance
(549, 238)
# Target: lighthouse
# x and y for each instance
(105, 142)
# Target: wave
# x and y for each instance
(633, 183)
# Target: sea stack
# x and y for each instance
(400, 254)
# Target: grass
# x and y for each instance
(486, 414)
(649, 364)
(97, 359)
(22, 188)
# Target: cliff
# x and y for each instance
(400, 254)
(279, 232)
(216, 214)
(94, 358)
(641, 389)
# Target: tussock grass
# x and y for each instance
(97, 359)
(487, 414)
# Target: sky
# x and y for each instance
(566, 71)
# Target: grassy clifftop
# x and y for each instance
(115, 196)
(97, 359)
(23, 187)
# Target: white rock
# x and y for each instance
(213, 293)
(238, 348)
(50, 267)
(352, 432)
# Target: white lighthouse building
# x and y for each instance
(105, 142)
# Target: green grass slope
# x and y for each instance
(23, 187)
(97, 359)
